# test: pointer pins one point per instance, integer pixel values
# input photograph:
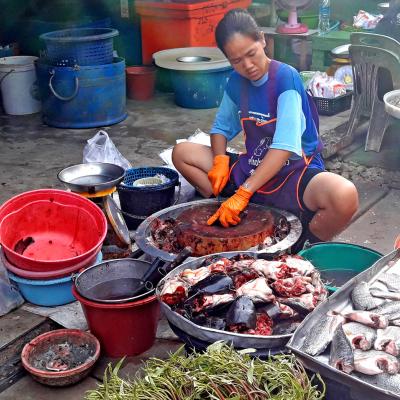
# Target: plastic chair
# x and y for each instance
(376, 71)
(375, 40)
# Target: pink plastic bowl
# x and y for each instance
(60, 230)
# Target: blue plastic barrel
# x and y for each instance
(82, 97)
(200, 89)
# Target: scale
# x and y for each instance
(98, 182)
(293, 26)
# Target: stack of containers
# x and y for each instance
(46, 236)
(81, 83)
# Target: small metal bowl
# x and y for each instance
(91, 177)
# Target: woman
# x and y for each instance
(282, 166)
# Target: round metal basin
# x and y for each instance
(193, 59)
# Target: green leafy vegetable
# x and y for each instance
(220, 373)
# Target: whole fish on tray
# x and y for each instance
(365, 345)
(248, 295)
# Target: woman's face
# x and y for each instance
(247, 56)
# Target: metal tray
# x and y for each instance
(144, 241)
(209, 334)
(340, 301)
(91, 177)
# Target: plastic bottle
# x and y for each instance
(324, 16)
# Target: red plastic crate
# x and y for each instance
(173, 25)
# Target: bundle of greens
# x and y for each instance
(219, 373)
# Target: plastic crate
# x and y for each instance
(333, 106)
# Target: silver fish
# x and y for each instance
(389, 309)
(374, 362)
(368, 318)
(388, 340)
(385, 294)
(384, 381)
(362, 298)
(392, 281)
(341, 356)
(360, 336)
(321, 334)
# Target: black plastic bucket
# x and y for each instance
(137, 203)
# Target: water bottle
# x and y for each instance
(324, 16)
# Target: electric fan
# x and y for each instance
(292, 26)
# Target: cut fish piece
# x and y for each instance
(341, 356)
(321, 334)
(368, 318)
(360, 336)
(362, 298)
(374, 362)
(388, 340)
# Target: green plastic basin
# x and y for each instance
(339, 262)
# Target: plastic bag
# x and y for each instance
(10, 297)
(100, 148)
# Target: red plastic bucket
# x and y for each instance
(122, 329)
(140, 81)
(52, 215)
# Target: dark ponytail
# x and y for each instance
(236, 21)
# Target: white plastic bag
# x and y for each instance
(100, 148)
(10, 297)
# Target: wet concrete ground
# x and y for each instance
(31, 154)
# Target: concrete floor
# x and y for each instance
(31, 154)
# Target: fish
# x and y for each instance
(205, 302)
(174, 291)
(391, 281)
(342, 355)
(384, 381)
(385, 294)
(362, 298)
(258, 290)
(321, 334)
(193, 276)
(360, 336)
(210, 322)
(214, 283)
(373, 362)
(298, 265)
(391, 310)
(241, 314)
(272, 270)
(303, 304)
(292, 287)
(368, 318)
(388, 340)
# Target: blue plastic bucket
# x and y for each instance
(82, 97)
(199, 89)
(48, 293)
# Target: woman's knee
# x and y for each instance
(178, 153)
(344, 199)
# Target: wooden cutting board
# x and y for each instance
(192, 230)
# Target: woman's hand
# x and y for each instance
(228, 213)
(219, 173)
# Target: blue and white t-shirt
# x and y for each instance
(295, 129)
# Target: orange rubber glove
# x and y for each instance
(218, 175)
(228, 213)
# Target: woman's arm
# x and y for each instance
(218, 144)
(271, 164)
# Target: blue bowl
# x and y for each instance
(48, 293)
